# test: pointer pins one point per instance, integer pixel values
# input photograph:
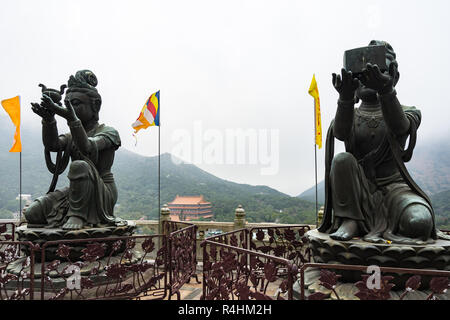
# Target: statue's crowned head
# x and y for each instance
(84, 84)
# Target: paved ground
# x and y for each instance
(191, 290)
(194, 290)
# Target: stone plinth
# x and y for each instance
(358, 252)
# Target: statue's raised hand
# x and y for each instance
(44, 113)
(65, 112)
(345, 85)
(382, 82)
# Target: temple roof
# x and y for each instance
(189, 200)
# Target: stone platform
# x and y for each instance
(434, 256)
(41, 236)
(357, 251)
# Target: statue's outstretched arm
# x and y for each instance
(51, 140)
(346, 85)
(50, 137)
(383, 83)
(393, 114)
(343, 121)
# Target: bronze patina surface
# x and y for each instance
(89, 200)
(368, 190)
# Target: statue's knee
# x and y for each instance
(34, 213)
(343, 161)
(78, 169)
(416, 222)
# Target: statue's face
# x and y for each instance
(366, 94)
(82, 105)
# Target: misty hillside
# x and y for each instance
(310, 194)
(136, 177)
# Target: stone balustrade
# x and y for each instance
(204, 228)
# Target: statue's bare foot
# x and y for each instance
(347, 230)
(74, 223)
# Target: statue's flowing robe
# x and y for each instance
(92, 193)
(379, 202)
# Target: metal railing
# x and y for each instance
(261, 262)
(289, 242)
(233, 273)
(236, 263)
(104, 268)
(17, 271)
(182, 254)
(7, 231)
(437, 281)
(132, 267)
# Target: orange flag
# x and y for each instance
(12, 107)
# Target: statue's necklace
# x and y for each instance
(371, 118)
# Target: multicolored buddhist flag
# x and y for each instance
(12, 107)
(314, 92)
(149, 115)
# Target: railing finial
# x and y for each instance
(165, 212)
(239, 221)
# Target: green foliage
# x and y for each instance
(441, 205)
(6, 214)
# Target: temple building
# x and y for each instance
(187, 208)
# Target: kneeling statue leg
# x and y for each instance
(80, 195)
(416, 222)
(345, 185)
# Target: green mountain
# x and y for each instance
(310, 194)
(441, 205)
(430, 166)
(138, 192)
(137, 181)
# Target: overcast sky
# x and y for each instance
(224, 64)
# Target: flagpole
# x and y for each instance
(20, 186)
(159, 170)
(20, 172)
(159, 159)
(315, 158)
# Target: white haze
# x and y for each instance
(228, 64)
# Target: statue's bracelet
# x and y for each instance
(346, 103)
(387, 91)
(49, 122)
(74, 124)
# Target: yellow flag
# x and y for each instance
(314, 91)
(12, 107)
